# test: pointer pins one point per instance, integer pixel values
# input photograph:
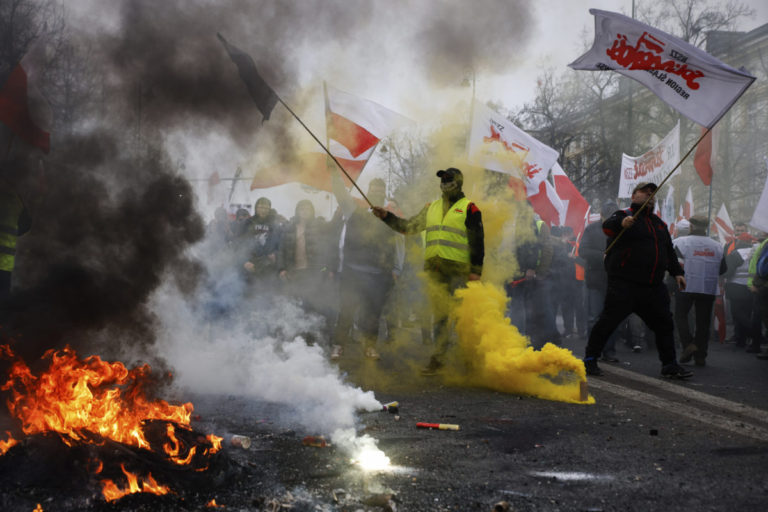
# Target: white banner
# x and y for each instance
(686, 78)
(497, 144)
(653, 166)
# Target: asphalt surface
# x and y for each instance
(647, 444)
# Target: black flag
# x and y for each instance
(262, 94)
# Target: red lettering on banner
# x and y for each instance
(649, 162)
(513, 147)
(637, 57)
(707, 252)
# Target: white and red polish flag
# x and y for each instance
(576, 207)
(691, 81)
(760, 217)
(688, 204)
(24, 117)
(547, 204)
(495, 143)
(722, 225)
(356, 125)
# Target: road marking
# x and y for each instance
(715, 401)
(716, 420)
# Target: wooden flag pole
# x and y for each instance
(653, 194)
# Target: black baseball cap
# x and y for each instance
(643, 185)
(450, 174)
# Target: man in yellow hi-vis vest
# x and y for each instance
(453, 253)
(14, 222)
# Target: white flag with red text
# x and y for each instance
(760, 217)
(575, 206)
(651, 166)
(722, 225)
(686, 78)
(496, 143)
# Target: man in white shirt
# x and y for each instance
(703, 262)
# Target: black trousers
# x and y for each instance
(702, 304)
(742, 304)
(649, 302)
(362, 298)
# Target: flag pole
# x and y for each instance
(324, 149)
(653, 194)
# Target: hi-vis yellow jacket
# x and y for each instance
(446, 236)
(11, 208)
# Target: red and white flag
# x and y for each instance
(653, 165)
(547, 204)
(575, 206)
(760, 217)
(688, 205)
(496, 143)
(686, 78)
(16, 110)
(722, 225)
(356, 125)
(704, 157)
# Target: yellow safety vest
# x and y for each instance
(10, 210)
(446, 237)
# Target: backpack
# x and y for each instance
(762, 263)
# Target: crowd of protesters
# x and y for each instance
(346, 269)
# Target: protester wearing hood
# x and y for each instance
(640, 254)
(302, 259)
(702, 259)
(260, 239)
(592, 251)
(454, 249)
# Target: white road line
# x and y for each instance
(738, 427)
(715, 401)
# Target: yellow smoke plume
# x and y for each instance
(500, 358)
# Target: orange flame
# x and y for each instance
(74, 396)
(38, 508)
(79, 398)
(112, 492)
(213, 504)
(7, 444)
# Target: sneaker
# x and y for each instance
(433, 367)
(610, 359)
(637, 348)
(675, 371)
(371, 353)
(590, 365)
(688, 352)
(762, 355)
(336, 352)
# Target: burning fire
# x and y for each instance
(90, 400)
(112, 492)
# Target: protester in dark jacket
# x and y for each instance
(636, 262)
(592, 251)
